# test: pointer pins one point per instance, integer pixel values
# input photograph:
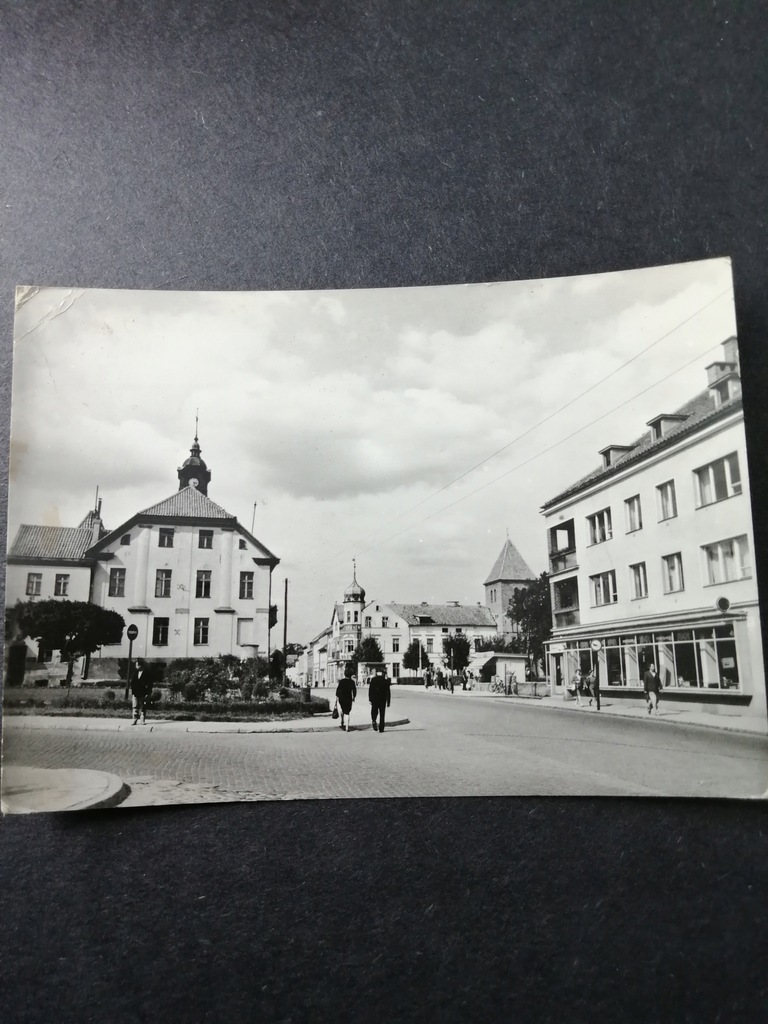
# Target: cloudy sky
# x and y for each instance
(407, 427)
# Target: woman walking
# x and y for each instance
(576, 685)
(346, 692)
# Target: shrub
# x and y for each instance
(246, 691)
(156, 696)
(109, 696)
(191, 691)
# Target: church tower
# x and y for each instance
(194, 472)
(509, 573)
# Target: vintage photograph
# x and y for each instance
(489, 539)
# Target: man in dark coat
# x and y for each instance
(652, 687)
(380, 695)
(140, 685)
(593, 685)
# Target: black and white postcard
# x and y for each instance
(490, 539)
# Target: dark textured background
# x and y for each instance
(334, 144)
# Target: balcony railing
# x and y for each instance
(567, 617)
(564, 559)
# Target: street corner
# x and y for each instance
(32, 790)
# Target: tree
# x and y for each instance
(531, 609)
(415, 657)
(456, 649)
(499, 644)
(74, 628)
(368, 650)
(276, 661)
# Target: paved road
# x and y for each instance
(455, 746)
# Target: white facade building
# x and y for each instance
(192, 579)
(651, 560)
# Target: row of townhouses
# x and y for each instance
(184, 571)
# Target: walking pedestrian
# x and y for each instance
(380, 695)
(440, 679)
(452, 678)
(346, 692)
(652, 687)
(140, 685)
(594, 688)
(576, 685)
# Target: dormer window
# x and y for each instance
(125, 539)
(663, 424)
(613, 453)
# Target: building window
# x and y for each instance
(459, 629)
(34, 584)
(203, 587)
(160, 632)
(166, 537)
(639, 580)
(720, 479)
(600, 527)
(395, 669)
(61, 584)
(667, 500)
(246, 586)
(349, 616)
(349, 646)
(384, 622)
(117, 582)
(728, 560)
(672, 573)
(205, 539)
(201, 632)
(604, 588)
(357, 614)
(125, 539)
(395, 644)
(431, 644)
(242, 545)
(634, 514)
(163, 583)
(367, 621)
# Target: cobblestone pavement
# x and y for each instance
(454, 746)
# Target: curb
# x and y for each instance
(304, 729)
(20, 783)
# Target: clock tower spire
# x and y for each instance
(194, 472)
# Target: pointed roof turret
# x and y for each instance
(510, 565)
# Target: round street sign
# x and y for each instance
(596, 645)
(132, 632)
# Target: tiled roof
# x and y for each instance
(445, 614)
(698, 412)
(189, 502)
(90, 521)
(510, 565)
(54, 542)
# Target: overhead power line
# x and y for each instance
(546, 419)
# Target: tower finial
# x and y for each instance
(354, 570)
(196, 413)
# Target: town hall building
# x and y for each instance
(184, 571)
